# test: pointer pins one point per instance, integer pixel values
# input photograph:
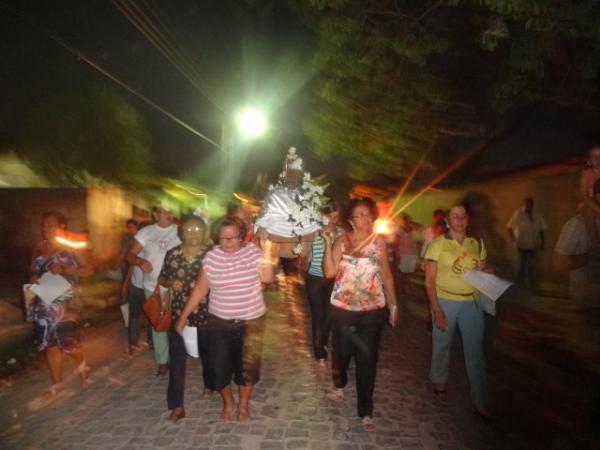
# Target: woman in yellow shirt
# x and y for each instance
(453, 303)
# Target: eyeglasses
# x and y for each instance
(228, 239)
(192, 230)
(360, 216)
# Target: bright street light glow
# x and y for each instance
(251, 122)
(382, 226)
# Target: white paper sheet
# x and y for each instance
(190, 340)
(50, 286)
(487, 283)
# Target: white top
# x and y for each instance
(275, 218)
(584, 283)
(527, 231)
(155, 242)
(137, 277)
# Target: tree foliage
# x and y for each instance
(82, 134)
(398, 76)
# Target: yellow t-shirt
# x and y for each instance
(453, 260)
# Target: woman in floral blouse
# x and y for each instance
(363, 288)
(179, 273)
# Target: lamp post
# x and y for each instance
(249, 123)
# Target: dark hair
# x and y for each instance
(60, 217)
(190, 218)
(232, 208)
(333, 206)
(132, 222)
(355, 202)
(438, 211)
(229, 221)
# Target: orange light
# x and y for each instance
(71, 239)
(382, 226)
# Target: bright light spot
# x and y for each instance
(69, 243)
(251, 122)
(382, 226)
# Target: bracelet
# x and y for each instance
(267, 261)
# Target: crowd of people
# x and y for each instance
(215, 285)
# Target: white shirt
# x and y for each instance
(155, 242)
(584, 282)
(527, 231)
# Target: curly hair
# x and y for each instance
(356, 202)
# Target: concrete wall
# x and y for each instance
(101, 210)
(554, 189)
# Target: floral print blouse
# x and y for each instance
(358, 285)
(178, 268)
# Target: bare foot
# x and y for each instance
(243, 414)
(226, 413)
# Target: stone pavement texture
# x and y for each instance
(123, 405)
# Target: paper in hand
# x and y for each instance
(487, 283)
(50, 286)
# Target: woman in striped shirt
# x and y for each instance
(233, 272)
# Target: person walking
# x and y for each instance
(148, 253)
(363, 287)
(56, 323)
(318, 287)
(232, 272)
(179, 273)
(453, 304)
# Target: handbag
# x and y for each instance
(158, 310)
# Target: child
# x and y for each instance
(590, 209)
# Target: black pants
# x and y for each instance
(177, 365)
(357, 333)
(318, 291)
(235, 349)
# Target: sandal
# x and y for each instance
(484, 415)
(176, 414)
(162, 370)
(337, 394)
(440, 393)
(84, 371)
(367, 423)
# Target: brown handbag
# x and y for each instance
(157, 310)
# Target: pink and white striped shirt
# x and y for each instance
(234, 283)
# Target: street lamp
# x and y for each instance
(250, 123)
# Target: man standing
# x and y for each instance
(526, 229)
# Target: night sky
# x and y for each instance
(244, 54)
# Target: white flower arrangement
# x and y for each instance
(306, 202)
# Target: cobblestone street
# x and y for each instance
(123, 405)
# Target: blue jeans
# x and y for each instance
(469, 319)
(136, 300)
